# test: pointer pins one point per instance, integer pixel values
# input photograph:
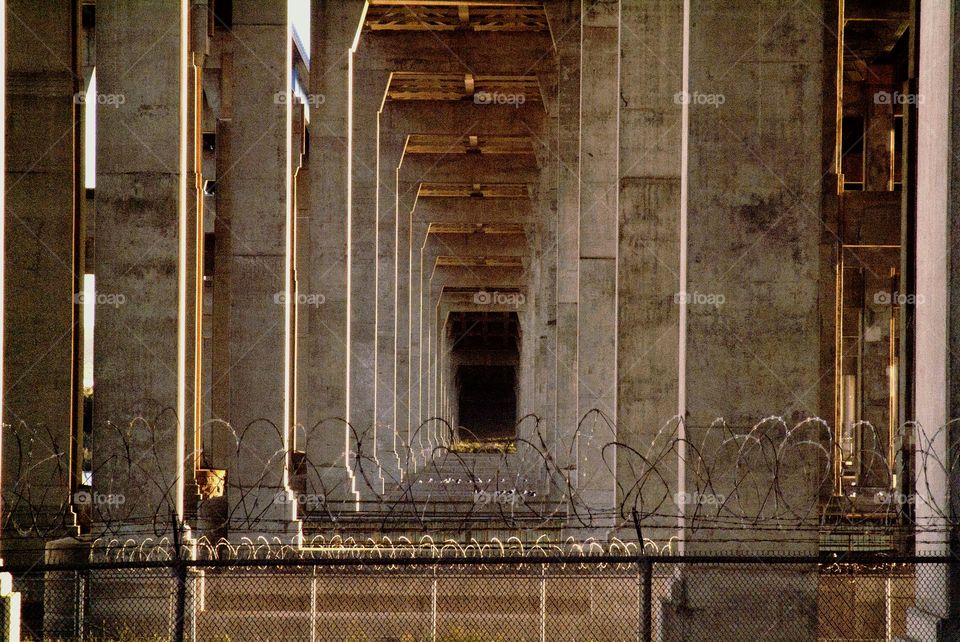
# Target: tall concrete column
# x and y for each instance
(258, 210)
(753, 216)
(403, 397)
(138, 435)
(565, 20)
(750, 229)
(597, 296)
(369, 87)
(937, 385)
(388, 302)
(38, 453)
(878, 134)
(322, 353)
(649, 263)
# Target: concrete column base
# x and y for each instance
(9, 609)
(266, 513)
(62, 611)
(732, 602)
(922, 624)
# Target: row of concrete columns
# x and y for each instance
(635, 198)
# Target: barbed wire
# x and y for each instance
(769, 482)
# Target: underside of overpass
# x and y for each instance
(472, 267)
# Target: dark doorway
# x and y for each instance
(485, 353)
(488, 401)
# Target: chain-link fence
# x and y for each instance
(601, 598)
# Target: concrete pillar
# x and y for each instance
(750, 230)
(753, 217)
(39, 462)
(403, 397)
(10, 615)
(649, 262)
(878, 133)
(564, 19)
(322, 353)
(369, 87)
(597, 295)
(138, 432)
(192, 264)
(254, 199)
(388, 299)
(937, 386)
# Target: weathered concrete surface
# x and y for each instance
(38, 454)
(649, 255)
(256, 214)
(564, 19)
(138, 198)
(369, 87)
(322, 353)
(938, 318)
(597, 311)
(753, 223)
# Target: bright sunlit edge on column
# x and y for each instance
(3, 189)
(288, 231)
(182, 252)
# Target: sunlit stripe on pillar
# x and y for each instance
(182, 255)
(682, 322)
(349, 359)
(288, 306)
(3, 191)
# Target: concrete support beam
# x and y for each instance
(502, 53)
(937, 386)
(404, 392)
(139, 192)
(597, 297)
(878, 133)
(753, 216)
(322, 353)
(369, 87)
(489, 211)
(649, 255)
(389, 431)
(256, 211)
(39, 456)
(564, 18)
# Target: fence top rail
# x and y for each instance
(506, 560)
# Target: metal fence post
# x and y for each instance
(646, 584)
(543, 603)
(181, 600)
(313, 606)
(646, 601)
(181, 578)
(433, 607)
